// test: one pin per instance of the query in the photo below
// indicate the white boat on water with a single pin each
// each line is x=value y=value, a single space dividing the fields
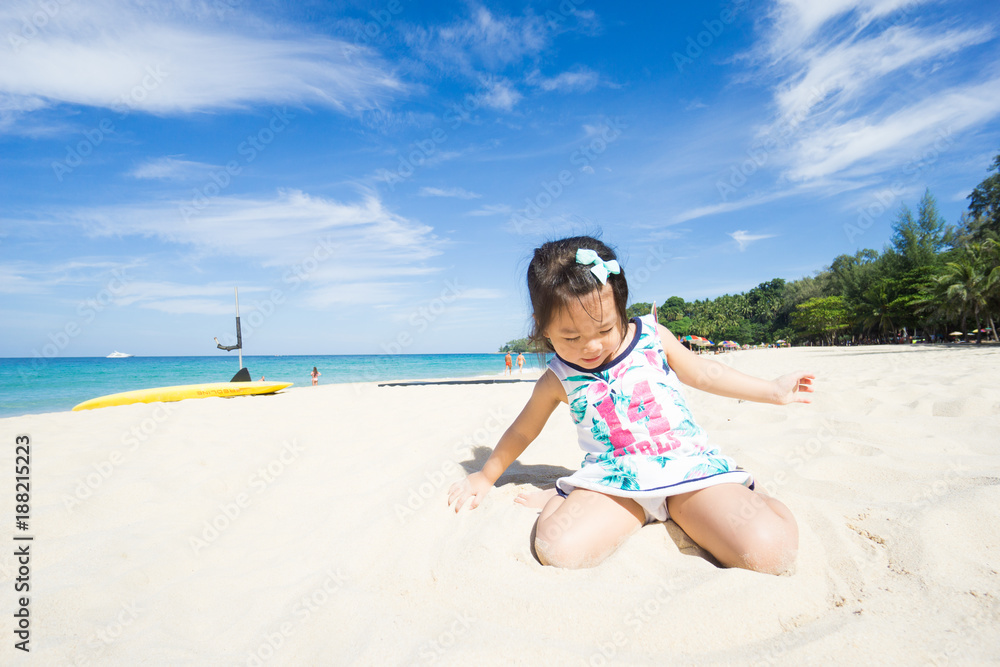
x=118 y=355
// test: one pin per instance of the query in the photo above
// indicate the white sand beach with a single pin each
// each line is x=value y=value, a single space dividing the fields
x=311 y=528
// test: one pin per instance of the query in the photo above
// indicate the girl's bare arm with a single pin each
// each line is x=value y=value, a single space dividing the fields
x=547 y=394
x=709 y=375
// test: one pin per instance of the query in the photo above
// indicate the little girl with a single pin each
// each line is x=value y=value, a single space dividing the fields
x=646 y=458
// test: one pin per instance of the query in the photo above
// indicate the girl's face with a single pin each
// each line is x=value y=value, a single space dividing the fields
x=587 y=332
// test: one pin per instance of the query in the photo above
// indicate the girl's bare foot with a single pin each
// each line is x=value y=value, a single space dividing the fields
x=535 y=499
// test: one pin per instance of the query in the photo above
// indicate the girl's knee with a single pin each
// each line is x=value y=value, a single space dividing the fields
x=769 y=546
x=561 y=543
x=773 y=561
x=554 y=542
x=566 y=552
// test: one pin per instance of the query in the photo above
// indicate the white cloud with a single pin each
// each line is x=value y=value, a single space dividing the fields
x=870 y=143
x=354 y=293
x=483 y=39
x=160 y=59
x=458 y=193
x=497 y=93
x=729 y=207
x=491 y=209
x=744 y=238
x=311 y=240
x=170 y=168
x=191 y=306
x=13 y=280
x=579 y=79
x=796 y=22
x=148 y=292
x=837 y=69
x=31 y=277
x=848 y=70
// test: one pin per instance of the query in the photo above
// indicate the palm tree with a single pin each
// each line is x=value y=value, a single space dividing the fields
x=991 y=264
x=968 y=282
x=876 y=309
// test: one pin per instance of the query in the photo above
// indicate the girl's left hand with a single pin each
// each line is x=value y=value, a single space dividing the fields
x=792 y=388
x=473 y=488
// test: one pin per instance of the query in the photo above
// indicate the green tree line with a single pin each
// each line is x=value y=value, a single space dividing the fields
x=930 y=280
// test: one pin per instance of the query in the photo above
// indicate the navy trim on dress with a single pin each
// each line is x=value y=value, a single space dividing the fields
x=611 y=364
x=662 y=488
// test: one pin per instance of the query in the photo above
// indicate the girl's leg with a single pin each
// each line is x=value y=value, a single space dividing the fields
x=740 y=527
x=584 y=528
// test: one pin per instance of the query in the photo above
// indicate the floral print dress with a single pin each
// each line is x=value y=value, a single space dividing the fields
x=640 y=438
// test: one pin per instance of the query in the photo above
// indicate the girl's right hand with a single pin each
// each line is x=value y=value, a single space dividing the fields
x=474 y=488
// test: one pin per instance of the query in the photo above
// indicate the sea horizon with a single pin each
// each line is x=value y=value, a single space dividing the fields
x=37 y=385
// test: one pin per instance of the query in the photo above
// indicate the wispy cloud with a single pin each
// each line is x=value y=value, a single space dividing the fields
x=744 y=238
x=180 y=298
x=169 y=168
x=277 y=230
x=730 y=206
x=311 y=240
x=579 y=79
x=458 y=193
x=35 y=277
x=796 y=22
x=13 y=280
x=870 y=143
x=848 y=70
x=156 y=59
x=491 y=209
x=481 y=41
x=497 y=93
x=834 y=63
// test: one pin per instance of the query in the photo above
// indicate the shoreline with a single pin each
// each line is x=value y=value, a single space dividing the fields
x=534 y=373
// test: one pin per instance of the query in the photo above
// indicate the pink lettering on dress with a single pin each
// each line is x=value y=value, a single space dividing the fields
x=620 y=437
x=645 y=408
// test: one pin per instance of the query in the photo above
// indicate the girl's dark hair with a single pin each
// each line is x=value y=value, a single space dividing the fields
x=555 y=279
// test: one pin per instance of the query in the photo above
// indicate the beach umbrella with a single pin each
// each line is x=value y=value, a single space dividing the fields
x=780 y=340
x=956 y=333
x=697 y=340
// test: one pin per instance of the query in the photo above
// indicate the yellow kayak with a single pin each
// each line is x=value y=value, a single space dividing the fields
x=184 y=391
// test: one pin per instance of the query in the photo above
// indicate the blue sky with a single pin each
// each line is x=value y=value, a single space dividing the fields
x=374 y=175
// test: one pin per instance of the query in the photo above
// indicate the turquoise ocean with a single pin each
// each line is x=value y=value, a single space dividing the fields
x=39 y=385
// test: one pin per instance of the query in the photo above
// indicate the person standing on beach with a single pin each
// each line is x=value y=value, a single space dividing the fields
x=506 y=361
x=520 y=363
x=315 y=376
x=646 y=459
